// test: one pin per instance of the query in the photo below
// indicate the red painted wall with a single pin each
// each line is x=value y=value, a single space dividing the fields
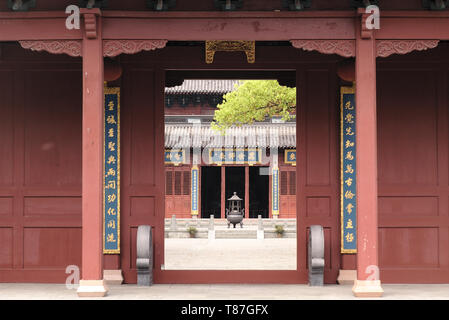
x=413 y=129
x=40 y=167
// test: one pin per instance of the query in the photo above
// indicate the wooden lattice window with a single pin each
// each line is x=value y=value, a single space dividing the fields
x=186 y=183
x=292 y=182
x=177 y=182
x=168 y=183
x=284 y=183
x=288 y=183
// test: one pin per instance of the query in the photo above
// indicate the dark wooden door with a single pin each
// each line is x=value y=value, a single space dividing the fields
x=142 y=159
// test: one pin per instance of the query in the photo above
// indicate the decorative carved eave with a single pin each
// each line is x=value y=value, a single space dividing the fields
x=386 y=48
x=70 y=47
x=112 y=48
x=344 y=48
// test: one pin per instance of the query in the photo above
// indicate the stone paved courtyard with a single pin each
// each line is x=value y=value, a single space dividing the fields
x=230 y=254
x=31 y=291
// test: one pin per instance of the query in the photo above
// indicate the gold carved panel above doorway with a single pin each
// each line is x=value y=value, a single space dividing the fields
x=249 y=47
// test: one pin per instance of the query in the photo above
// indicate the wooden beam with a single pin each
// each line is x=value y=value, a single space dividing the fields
x=200 y=26
x=36 y=26
x=240 y=28
x=413 y=28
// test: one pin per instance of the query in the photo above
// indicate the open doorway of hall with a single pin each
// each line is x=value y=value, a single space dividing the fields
x=250 y=183
x=214 y=177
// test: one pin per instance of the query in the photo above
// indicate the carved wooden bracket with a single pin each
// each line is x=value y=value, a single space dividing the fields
x=249 y=47
x=386 y=48
x=70 y=47
x=90 y=25
x=112 y=48
x=365 y=33
x=90 y=22
x=344 y=48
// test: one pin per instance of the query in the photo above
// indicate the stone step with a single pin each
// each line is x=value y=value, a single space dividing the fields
x=236 y=233
x=223 y=222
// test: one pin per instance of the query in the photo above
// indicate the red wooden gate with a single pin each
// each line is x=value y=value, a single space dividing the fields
x=40 y=167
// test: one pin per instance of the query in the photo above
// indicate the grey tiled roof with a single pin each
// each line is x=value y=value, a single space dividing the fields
x=203 y=87
x=264 y=135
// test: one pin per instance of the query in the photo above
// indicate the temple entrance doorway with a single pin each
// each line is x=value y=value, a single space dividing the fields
x=242 y=159
x=235 y=182
x=258 y=192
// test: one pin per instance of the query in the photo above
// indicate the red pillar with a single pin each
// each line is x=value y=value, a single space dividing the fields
x=92 y=283
x=246 y=192
x=223 y=192
x=368 y=282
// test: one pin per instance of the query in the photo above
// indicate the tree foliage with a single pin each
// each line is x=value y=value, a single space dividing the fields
x=254 y=100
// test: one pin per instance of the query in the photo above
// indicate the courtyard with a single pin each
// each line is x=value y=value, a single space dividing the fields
x=230 y=254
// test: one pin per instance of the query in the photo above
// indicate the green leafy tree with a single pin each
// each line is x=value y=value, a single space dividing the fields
x=254 y=100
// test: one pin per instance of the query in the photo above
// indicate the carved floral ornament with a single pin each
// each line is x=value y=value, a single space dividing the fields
x=111 y=48
x=346 y=48
x=70 y=47
x=386 y=48
x=249 y=47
